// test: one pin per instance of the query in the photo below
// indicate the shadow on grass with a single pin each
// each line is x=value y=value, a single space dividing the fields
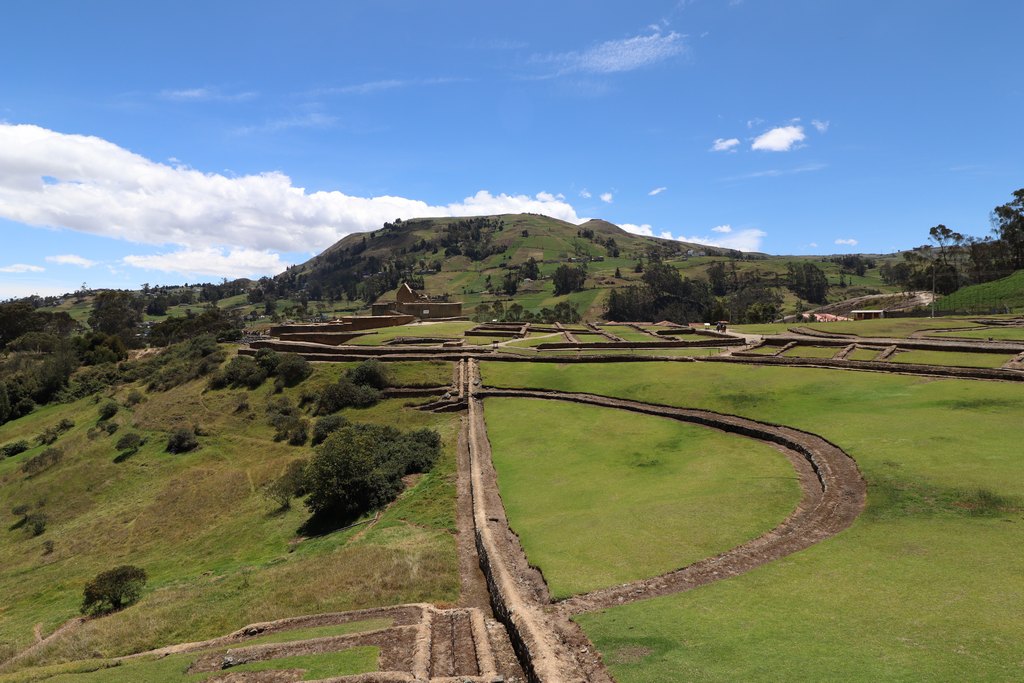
x=891 y=497
x=323 y=523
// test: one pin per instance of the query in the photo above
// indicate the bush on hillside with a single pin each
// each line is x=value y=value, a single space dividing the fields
x=241 y=371
x=108 y=410
x=129 y=442
x=360 y=468
x=41 y=462
x=370 y=373
x=14 y=448
x=113 y=590
x=291 y=484
x=292 y=369
x=345 y=394
x=325 y=426
x=182 y=440
x=51 y=434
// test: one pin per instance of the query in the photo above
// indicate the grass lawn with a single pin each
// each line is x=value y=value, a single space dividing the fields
x=924 y=586
x=628 y=333
x=450 y=329
x=813 y=351
x=863 y=354
x=218 y=555
x=765 y=350
x=173 y=668
x=997 y=333
x=889 y=327
x=649 y=494
x=963 y=360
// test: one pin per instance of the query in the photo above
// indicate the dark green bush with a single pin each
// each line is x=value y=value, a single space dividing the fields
x=128 y=442
x=291 y=484
x=241 y=371
x=108 y=410
x=360 y=467
x=182 y=440
x=14 y=448
x=292 y=369
x=325 y=426
x=35 y=523
x=345 y=394
x=268 y=360
x=370 y=372
x=113 y=590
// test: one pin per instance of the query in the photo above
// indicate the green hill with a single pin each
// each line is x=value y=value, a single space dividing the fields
x=1004 y=295
x=219 y=553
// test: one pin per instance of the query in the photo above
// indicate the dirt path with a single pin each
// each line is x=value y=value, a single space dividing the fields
x=833 y=494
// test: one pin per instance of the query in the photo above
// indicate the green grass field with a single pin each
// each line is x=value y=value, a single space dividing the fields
x=813 y=351
x=648 y=494
x=628 y=333
x=998 y=294
x=174 y=668
x=889 y=327
x=450 y=329
x=996 y=333
x=218 y=554
x=963 y=360
x=924 y=586
x=863 y=354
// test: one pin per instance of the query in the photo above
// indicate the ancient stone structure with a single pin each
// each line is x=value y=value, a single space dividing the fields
x=410 y=302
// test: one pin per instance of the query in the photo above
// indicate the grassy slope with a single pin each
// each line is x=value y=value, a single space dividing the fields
x=1006 y=292
x=963 y=360
x=924 y=586
x=889 y=327
x=648 y=494
x=218 y=556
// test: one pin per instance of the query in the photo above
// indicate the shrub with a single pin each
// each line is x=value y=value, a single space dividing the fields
x=41 y=462
x=370 y=372
x=108 y=410
x=291 y=484
x=325 y=426
x=14 y=448
x=345 y=394
x=129 y=442
x=51 y=434
x=134 y=397
x=360 y=468
x=292 y=369
x=181 y=440
x=35 y=523
x=110 y=428
x=113 y=590
x=241 y=371
x=268 y=360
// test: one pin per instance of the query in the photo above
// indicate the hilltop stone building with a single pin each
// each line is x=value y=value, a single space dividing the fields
x=410 y=302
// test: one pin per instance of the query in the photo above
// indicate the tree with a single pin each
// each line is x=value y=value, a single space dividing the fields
x=809 y=282
x=530 y=270
x=182 y=440
x=115 y=312
x=113 y=590
x=5 y=404
x=1008 y=222
x=569 y=279
x=510 y=283
x=292 y=369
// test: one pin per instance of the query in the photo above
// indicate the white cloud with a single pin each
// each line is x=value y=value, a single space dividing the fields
x=615 y=56
x=585 y=193
x=656 y=191
x=311 y=120
x=820 y=126
x=71 y=260
x=775 y=172
x=813 y=244
x=646 y=230
x=19 y=290
x=607 y=197
x=725 y=145
x=94 y=186
x=386 y=84
x=848 y=242
x=21 y=268
x=743 y=240
x=235 y=263
x=204 y=95
x=781 y=139
x=754 y=122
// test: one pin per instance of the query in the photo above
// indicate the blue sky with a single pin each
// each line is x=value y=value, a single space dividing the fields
x=171 y=142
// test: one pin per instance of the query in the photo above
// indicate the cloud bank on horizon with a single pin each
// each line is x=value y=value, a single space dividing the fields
x=217 y=225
